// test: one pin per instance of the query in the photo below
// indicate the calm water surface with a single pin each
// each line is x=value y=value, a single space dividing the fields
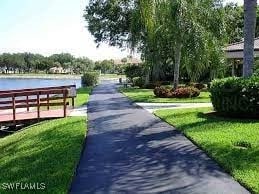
x=11 y=83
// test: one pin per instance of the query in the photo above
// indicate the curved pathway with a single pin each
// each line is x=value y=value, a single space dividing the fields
x=129 y=150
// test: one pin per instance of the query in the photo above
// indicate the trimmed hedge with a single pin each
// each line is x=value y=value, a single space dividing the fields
x=90 y=79
x=132 y=71
x=183 y=92
x=236 y=96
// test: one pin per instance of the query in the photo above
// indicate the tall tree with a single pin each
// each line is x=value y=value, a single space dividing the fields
x=196 y=44
x=249 y=35
x=109 y=20
x=179 y=34
x=234 y=20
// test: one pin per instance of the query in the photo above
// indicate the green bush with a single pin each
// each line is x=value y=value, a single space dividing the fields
x=90 y=79
x=138 y=81
x=132 y=71
x=236 y=96
x=256 y=72
x=182 y=92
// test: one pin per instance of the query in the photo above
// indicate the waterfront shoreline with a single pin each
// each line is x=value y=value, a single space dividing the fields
x=50 y=76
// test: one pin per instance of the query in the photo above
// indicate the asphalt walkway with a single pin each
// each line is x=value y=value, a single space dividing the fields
x=129 y=150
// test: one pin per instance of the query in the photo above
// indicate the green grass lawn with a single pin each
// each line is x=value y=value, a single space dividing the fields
x=147 y=95
x=80 y=100
x=221 y=138
x=112 y=76
x=47 y=152
x=82 y=96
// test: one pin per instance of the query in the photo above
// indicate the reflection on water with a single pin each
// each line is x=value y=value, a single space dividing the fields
x=10 y=83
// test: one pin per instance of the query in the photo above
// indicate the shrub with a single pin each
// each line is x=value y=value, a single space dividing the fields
x=256 y=72
x=184 y=92
x=162 y=92
x=236 y=96
x=132 y=71
x=90 y=79
x=199 y=86
x=138 y=81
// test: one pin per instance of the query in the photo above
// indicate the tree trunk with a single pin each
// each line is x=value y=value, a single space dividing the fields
x=156 y=72
x=147 y=77
x=249 y=35
x=178 y=49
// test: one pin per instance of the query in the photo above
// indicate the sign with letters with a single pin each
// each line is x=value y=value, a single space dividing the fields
x=72 y=92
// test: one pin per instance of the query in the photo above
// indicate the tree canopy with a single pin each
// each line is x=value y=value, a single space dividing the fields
x=179 y=38
x=172 y=36
x=29 y=62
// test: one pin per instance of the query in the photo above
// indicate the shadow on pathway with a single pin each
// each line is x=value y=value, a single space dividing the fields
x=128 y=150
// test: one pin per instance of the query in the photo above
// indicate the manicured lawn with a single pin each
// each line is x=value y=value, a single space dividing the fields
x=47 y=152
x=80 y=100
x=223 y=139
x=82 y=96
x=147 y=95
x=112 y=76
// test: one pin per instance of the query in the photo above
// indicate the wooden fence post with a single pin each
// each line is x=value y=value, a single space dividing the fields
x=48 y=101
x=27 y=103
x=73 y=102
x=14 y=111
x=65 y=102
x=38 y=106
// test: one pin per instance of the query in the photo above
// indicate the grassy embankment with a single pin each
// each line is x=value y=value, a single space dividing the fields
x=45 y=153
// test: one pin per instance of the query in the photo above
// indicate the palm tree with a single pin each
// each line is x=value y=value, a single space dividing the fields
x=173 y=32
x=249 y=35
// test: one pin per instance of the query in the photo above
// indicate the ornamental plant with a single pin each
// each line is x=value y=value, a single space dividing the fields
x=236 y=96
x=182 y=92
x=90 y=79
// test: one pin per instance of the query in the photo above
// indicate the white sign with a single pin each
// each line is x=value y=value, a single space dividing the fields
x=72 y=92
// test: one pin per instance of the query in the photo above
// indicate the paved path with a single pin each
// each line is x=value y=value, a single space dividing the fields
x=79 y=112
x=129 y=150
x=151 y=107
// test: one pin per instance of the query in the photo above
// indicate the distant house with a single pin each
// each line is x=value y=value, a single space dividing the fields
x=235 y=52
x=59 y=70
x=128 y=60
x=2 y=69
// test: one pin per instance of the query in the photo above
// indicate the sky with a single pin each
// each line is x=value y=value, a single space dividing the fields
x=239 y=2
x=51 y=26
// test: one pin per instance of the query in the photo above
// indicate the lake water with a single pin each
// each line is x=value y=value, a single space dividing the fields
x=13 y=83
